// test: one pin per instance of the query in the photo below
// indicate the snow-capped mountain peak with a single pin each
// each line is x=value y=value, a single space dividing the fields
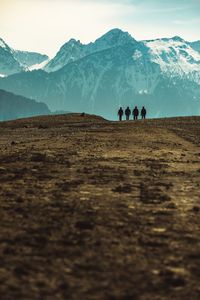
x=175 y=56
x=29 y=60
x=14 y=61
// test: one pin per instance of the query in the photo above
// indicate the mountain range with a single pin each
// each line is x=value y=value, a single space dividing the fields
x=116 y=70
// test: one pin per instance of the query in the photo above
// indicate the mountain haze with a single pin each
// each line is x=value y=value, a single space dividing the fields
x=14 y=107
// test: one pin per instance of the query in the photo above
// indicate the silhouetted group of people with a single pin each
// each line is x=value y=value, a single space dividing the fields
x=135 y=113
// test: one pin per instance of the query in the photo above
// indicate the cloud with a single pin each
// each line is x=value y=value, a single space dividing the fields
x=44 y=25
x=187 y=22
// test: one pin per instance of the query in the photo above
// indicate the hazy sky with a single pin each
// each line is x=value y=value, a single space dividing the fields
x=44 y=25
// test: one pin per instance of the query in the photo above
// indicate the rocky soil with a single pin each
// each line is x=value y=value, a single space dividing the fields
x=98 y=210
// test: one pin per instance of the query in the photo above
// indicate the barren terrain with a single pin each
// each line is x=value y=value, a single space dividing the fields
x=98 y=210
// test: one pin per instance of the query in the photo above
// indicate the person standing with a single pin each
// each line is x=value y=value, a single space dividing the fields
x=127 y=113
x=143 y=113
x=135 y=113
x=120 y=113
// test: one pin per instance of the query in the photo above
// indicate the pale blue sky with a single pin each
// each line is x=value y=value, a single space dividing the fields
x=44 y=25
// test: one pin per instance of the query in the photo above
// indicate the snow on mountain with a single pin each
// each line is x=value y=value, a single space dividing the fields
x=29 y=59
x=176 y=57
x=39 y=66
x=104 y=80
x=8 y=64
x=15 y=61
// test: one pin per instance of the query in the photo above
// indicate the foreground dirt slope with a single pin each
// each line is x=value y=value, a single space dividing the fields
x=97 y=210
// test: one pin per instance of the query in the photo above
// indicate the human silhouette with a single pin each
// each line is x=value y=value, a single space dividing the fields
x=127 y=113
x=143 y=113
x=120 y=113
x=135 y=113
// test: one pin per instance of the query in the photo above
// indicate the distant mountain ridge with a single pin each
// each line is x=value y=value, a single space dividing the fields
x=16 y=61
x=115 y=70
x=14 y=107
x=29 y=59
x=74 y=50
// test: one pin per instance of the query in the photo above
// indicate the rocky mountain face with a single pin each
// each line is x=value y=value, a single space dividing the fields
x=115 y=70
x=75 y=50
x=14 y=107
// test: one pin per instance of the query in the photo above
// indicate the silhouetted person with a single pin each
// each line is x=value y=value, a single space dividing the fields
x=143 y=113
x=127 y=113
x=135 y=113
x=120 y=113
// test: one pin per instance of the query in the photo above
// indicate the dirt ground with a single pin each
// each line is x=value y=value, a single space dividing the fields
x=98 y=210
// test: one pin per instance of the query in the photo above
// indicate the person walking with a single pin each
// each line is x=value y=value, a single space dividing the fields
x=127 y=113
x=120 y=113
x=135 y=113
x=143 y=113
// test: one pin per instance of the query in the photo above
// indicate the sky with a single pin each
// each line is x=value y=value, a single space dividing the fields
x=45 y=25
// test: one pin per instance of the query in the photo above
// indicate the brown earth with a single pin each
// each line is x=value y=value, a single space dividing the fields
x=98 y=210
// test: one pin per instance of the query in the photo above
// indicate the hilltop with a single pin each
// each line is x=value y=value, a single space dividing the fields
x=93 y=209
